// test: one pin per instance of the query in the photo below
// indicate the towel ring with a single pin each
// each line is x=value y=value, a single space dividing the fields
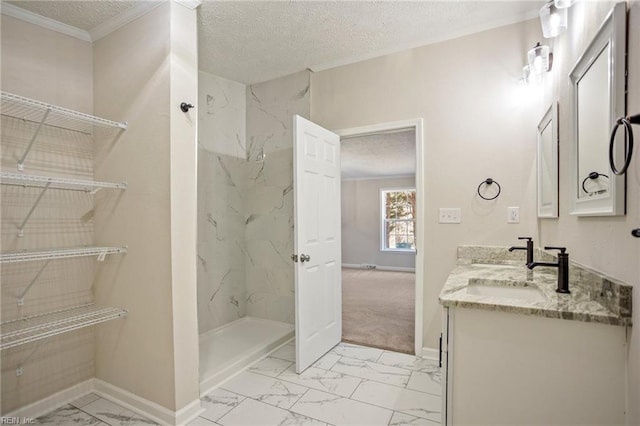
x=488 y=182
x=593 y=176
x=626 y=122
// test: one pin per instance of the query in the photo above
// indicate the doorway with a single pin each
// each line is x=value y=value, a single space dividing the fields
x=382 y=211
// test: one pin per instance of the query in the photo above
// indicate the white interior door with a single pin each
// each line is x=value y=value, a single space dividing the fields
x=318 y=277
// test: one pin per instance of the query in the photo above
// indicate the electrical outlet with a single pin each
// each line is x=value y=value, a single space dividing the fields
x=450 y=215
x=513 y=214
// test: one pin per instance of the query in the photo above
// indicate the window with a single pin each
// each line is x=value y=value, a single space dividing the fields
x=398 y=208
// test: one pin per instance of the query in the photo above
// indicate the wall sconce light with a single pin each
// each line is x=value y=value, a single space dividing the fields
x=540 y=59
x=553 y=19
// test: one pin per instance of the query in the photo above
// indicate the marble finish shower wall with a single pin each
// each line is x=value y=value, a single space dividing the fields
x=268 y=195
x=221 y=186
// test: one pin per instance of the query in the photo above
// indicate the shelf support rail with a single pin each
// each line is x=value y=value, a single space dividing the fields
x=26 y=219
x=33 y=139
x=33 y=281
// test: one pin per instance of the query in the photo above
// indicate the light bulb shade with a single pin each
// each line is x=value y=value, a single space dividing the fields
x=530 y=78
x=553 y=20
x=563 y=4
x=538 y=58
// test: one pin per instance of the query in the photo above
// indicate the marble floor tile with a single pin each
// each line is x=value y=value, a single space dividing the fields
x=114 y=414
x=266 y=389
x=287 y=352
x=359 y=352
x=201 y=421
x=337 y=411
x=219 y=402
x=255 y=413
x=68 y=415
x=407 y=401
x=84 y=400
x=410 y=362
x=270 y=366
x=327 y=361
x=426 y=382
x=401 y=419
x=373 y=371
x=327 y=381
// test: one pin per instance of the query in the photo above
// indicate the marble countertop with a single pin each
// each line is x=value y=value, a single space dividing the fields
x=600 y=303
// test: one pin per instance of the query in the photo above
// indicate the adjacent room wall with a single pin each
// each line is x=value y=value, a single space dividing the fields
x=361 y=227
x=602 y=243
x=222 y=292
x=141 y=72
x=45 y=65
x=269 y=197
x=468 y=92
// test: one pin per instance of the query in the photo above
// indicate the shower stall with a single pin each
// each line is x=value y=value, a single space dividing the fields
x=245 y=219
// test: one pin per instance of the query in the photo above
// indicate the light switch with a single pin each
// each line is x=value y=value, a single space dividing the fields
x=450 y=215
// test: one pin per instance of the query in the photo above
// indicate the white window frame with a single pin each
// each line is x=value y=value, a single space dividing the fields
x=382 y=218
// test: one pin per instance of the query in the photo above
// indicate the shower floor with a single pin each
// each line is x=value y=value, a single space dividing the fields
x=230 y=348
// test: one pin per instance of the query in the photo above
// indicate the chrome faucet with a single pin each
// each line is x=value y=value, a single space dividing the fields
x=563 y=268
x=528 y=248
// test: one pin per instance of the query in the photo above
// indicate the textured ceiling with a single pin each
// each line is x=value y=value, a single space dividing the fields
x=379 y=155
x=253 y=41
x=85 y=15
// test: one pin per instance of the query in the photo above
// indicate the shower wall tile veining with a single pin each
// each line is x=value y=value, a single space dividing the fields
x=269 y=197
x=245 y=199
x=221 y=219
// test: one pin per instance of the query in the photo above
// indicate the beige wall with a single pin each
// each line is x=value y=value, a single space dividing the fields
x=142 y=72
x=58 y=69
x=184 y=199
x=361 y=223
x=601 y=243
x=475 y=121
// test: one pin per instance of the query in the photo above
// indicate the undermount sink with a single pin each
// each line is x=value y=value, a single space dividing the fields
x=504 y=289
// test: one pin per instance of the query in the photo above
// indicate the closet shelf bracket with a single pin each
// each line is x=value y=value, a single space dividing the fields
x=33 y=281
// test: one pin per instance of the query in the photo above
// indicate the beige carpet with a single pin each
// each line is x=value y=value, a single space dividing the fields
x=378 y=308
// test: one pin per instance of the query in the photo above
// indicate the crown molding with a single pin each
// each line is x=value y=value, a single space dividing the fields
x=94 y=34
x=119 y=21
x=41 y=21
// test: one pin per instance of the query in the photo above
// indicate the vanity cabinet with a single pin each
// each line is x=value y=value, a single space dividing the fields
x=514 y=369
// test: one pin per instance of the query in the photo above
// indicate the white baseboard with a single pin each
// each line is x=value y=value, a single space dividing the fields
x=51 y=402
x=380 y=268
x=143 y=406
x=430 y=353
x=126 y=399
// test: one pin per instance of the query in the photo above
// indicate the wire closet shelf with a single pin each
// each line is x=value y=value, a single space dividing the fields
x=32 y=328
x=52 y=115
x=28 y=256
x=57 y=183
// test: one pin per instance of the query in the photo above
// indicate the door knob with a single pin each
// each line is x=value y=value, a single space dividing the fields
x=305 y=258
x=294 y=257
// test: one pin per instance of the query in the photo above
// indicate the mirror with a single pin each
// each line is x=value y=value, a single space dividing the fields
x=547 y=162
x=598 y=85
